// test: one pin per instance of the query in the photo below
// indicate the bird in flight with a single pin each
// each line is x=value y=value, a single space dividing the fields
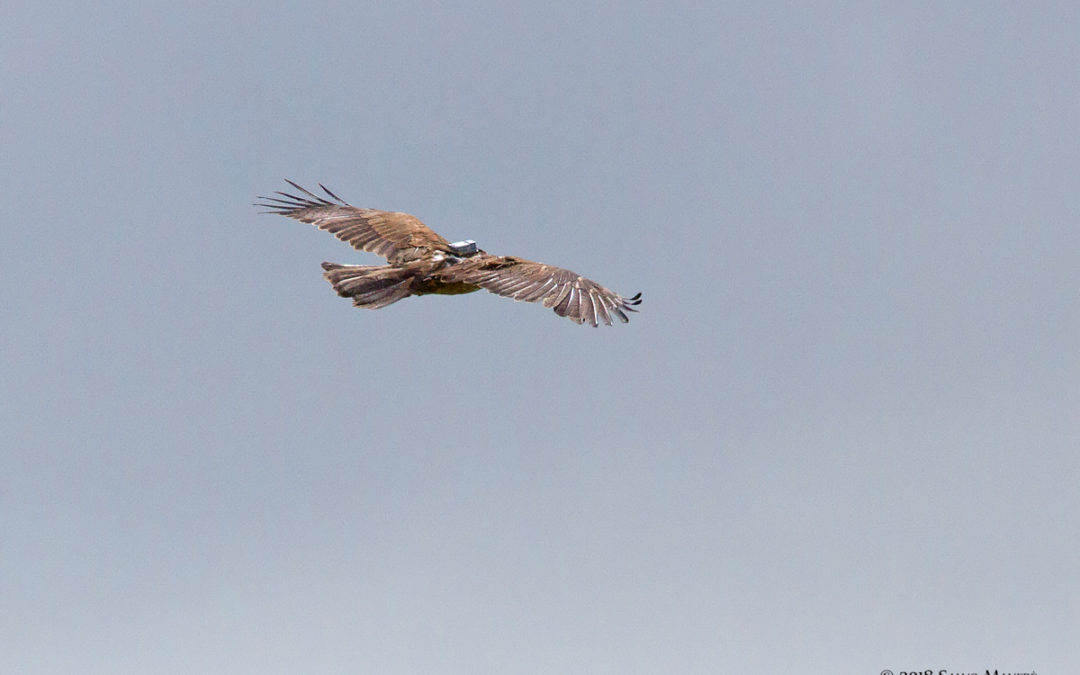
x=422 y=262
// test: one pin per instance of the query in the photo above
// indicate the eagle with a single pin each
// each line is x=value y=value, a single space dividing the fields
x=421 y=262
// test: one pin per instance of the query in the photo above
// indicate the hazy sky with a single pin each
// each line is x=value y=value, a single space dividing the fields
x=840 y=437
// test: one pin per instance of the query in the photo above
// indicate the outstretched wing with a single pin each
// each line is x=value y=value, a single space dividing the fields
x=571 y=295
x=398 y=237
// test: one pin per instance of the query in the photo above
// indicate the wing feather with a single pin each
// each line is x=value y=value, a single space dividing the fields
x=602 y=311
x=396 y=236
x=569 y=294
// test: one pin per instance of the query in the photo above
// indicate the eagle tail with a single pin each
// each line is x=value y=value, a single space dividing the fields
x=369 y=287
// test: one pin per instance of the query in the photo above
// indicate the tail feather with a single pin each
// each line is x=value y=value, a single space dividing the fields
x=369 y=287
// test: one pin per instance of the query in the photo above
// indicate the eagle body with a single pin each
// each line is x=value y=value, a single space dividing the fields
x=421 y=262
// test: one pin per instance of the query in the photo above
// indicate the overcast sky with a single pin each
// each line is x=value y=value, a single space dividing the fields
x=840 y=437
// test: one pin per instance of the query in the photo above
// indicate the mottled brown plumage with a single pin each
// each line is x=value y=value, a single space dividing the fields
x=423 y=263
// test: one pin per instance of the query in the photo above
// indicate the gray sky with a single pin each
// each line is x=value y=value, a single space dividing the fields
x=841 y=435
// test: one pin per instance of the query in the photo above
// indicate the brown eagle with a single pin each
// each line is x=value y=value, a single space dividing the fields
x=422 y=262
